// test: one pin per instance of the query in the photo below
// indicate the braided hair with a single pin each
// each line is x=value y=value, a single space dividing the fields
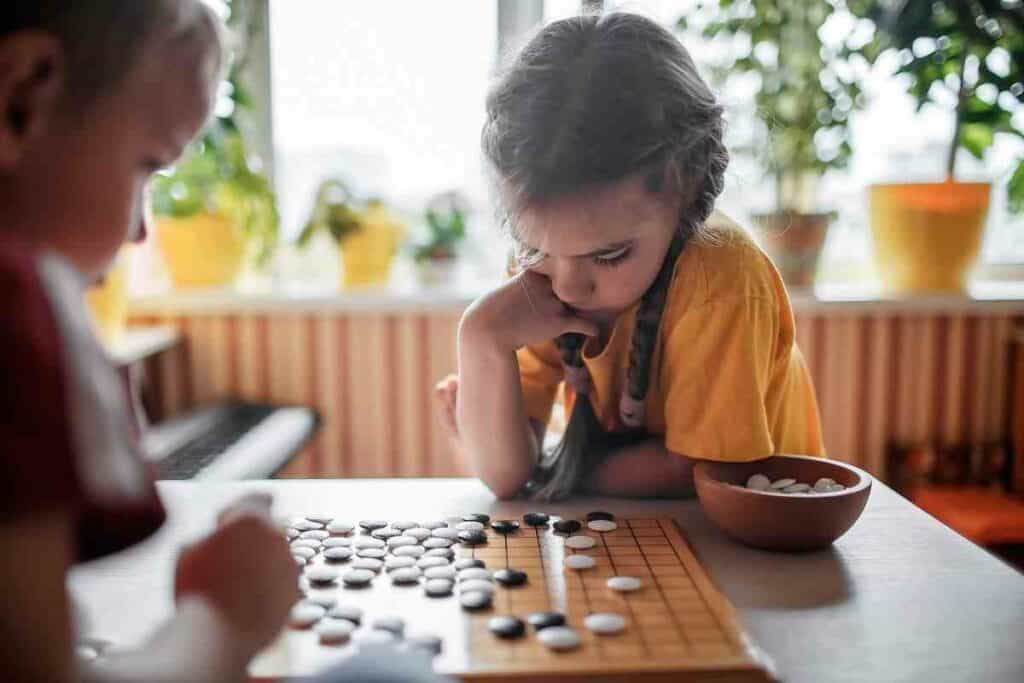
x=589 y=101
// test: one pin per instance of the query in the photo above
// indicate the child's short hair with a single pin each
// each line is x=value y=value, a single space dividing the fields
x=104 y=39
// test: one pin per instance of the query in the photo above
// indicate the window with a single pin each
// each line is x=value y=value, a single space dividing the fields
x=386 y=94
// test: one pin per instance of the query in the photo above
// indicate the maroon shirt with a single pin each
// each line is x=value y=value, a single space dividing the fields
x=66 y=440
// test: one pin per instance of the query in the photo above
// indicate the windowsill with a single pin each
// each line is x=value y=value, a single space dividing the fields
x=390 y=299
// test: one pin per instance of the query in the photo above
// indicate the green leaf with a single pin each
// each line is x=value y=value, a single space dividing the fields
x=976 y=138
x=1015 y=190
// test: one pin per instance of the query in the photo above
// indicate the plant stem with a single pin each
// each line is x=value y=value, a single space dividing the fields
x=961 y=100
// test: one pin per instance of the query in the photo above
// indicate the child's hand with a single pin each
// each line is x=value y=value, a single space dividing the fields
x=245 y=571
x=524 y=311
x=445 y=394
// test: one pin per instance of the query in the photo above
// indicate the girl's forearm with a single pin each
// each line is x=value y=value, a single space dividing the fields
x=493 y=427
x=197 y=645
x=643 y=469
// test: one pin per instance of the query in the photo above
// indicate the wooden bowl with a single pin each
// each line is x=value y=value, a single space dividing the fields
x=780 y=521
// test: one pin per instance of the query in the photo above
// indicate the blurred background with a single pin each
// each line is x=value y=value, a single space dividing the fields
x=319 y=243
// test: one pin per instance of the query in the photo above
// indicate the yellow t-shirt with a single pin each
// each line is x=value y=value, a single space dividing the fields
x=727 y=380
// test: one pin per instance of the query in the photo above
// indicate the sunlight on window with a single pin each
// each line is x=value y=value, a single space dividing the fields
x=388 y=95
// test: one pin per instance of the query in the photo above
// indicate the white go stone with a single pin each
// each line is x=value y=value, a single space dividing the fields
x=335 y=631
x=337 y=542
x=408 y=551
x=559 y=638
x=307 y=543
x=320 y=519
x=369 y=563
x=322 y=574
x=834 y=488
x=370 y=637
x=303 y=551
x=318 y=534
x=822 y=484
x=420 y=533
x=796 y=488
x=579 y=562
x=406 y=575
x=484 y=585
x=758 y=482
x=580 y=542
x=340 y=527
x=303 y=524
x=445 y=572
x=469 y=526
x=625 y=584
x=399 y=563
x=300 y=560
x=474 y=573
x=445 y=532
x=428 y=562
x=780 y=484
x=435 y=524
x=305 y=614
x=368 y=542
x=605 y=623
x=602 y=525
x=399 y=541
x=291 y=533
x=404 y=525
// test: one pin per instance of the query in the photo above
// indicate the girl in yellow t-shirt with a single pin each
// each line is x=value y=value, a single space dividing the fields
x=669 y=329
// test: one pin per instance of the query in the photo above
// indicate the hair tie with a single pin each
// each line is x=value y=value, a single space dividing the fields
x=578 y=378
x=631 y=411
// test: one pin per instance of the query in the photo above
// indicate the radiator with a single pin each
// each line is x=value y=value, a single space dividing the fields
x=881 y=378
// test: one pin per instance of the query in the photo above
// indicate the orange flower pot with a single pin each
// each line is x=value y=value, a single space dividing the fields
x=927 y=235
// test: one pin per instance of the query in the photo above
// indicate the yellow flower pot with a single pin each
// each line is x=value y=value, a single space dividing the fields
x=207 y=249
x=927 y=235
x=367 y=253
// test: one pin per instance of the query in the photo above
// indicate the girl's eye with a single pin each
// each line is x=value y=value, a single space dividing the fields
x=614 y=257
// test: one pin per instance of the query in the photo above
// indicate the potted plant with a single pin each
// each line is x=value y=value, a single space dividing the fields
x=805 y=95
x=437 y=255
x=367 y=233
x=215 y=210
x=927 y=235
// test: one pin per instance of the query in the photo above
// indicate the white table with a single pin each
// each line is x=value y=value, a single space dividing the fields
x=899 y=598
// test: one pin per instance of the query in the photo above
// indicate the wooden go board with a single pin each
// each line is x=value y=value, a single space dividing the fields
x=678 y=626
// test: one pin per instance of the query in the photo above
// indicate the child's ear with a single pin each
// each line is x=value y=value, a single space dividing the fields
x=31 y=81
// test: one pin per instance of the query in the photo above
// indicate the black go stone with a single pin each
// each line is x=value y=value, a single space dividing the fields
x=567 y=526
x=599 y=514
x=510 y=577
x=371 y=525
x=507 y=627
x=543 y=620
x=431 y=644
x=473 y=537
x=469 y=563
x=505 y=526
x=536 y=518
x=446 y=553
x=475 y=600
x=477 y=517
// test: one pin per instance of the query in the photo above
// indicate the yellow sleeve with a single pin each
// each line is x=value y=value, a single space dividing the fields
x=540 y=373
x=716 y=367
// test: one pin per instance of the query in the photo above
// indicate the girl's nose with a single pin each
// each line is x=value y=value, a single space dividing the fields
x=572 y=284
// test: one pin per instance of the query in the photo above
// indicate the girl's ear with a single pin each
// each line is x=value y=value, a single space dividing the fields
x=31 y=80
